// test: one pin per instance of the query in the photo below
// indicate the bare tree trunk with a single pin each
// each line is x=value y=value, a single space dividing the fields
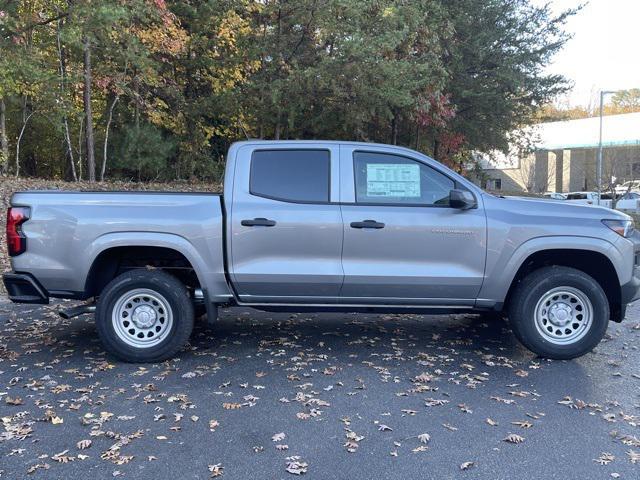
x=394 y=130
x=276 y=135
x=80 y=137
x=67 y=139
x=136 y=117
x=25 y=120
x=106 y=137
x=4 y=140
x=65 y=122
x=91 y=159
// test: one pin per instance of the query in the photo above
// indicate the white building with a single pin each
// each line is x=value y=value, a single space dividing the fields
x=565 y=156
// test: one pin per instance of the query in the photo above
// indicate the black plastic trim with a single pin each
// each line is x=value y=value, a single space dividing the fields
x=629 y=292
x=23 y=288
x=226 y=247
x=302 y=308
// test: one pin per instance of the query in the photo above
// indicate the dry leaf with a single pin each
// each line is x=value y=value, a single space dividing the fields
x=513 y=438
x=216 y=470
x=62 y=457
x=634 y=457
x=352 y=441
x=605 y=458
x=34 y=468
x=83 y=444
x=523 y=424
x=296 y=466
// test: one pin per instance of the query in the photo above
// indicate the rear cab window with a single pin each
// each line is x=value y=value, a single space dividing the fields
x=301 y=176
x=382 y=178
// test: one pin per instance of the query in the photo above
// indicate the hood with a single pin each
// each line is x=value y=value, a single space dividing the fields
x=550 y=207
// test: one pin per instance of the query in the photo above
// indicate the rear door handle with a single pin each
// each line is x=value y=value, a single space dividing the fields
x=258 y=222
x=367 y=224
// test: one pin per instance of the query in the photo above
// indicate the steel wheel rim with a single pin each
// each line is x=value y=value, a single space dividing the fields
x=142 y=318
x=563 y=315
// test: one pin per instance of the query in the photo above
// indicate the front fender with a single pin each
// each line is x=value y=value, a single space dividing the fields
x=500 y=275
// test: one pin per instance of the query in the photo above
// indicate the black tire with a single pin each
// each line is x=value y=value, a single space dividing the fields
x=532 y=289
x=179 y=309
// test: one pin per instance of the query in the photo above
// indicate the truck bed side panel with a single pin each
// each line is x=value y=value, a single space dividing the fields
x=68 y=230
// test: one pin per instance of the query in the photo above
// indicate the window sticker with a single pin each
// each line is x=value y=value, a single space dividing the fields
x=393 y=180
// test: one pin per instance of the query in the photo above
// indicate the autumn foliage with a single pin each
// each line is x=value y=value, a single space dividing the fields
x=157 y=90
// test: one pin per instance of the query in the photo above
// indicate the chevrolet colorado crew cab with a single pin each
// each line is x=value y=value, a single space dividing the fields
x=315 y=225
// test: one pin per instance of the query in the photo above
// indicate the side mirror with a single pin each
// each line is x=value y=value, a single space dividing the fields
x=462 y=199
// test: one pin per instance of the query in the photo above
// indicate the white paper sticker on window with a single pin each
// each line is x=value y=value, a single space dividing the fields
x=393 y=180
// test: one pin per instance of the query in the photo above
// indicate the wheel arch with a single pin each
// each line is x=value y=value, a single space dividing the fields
x=167 y=251
x=593 y=262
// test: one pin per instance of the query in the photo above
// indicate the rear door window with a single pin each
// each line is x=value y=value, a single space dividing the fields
x=291 y=175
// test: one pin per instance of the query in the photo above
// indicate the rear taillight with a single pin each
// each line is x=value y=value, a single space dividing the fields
x=16 y=240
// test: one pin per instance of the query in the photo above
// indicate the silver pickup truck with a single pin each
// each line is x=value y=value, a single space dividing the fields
x=324 y=226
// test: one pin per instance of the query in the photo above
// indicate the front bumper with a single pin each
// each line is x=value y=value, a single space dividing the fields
x=23 y=288
x=631 y=289
x=629 y=292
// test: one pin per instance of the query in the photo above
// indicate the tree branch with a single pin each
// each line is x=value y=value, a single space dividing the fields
x=41 y=23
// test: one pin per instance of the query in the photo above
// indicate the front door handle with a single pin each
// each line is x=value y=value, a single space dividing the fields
x=258 y=222
x=367 y=224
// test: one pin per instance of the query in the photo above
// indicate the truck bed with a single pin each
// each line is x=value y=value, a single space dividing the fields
x=67 y=231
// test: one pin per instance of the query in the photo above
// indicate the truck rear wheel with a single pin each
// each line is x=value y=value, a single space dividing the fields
x=559 y=312
x=144 y=316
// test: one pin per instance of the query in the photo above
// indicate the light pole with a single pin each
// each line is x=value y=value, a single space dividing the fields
x=599 y=172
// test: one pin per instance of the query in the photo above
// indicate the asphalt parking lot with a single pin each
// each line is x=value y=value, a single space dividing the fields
x=265 y=395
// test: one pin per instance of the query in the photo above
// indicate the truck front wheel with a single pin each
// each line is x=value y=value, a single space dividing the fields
x=144 y=316
x=559 y=312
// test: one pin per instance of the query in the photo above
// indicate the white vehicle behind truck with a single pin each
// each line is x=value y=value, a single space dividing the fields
x=590 y=198
x=630 y=186
x=628 y=202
